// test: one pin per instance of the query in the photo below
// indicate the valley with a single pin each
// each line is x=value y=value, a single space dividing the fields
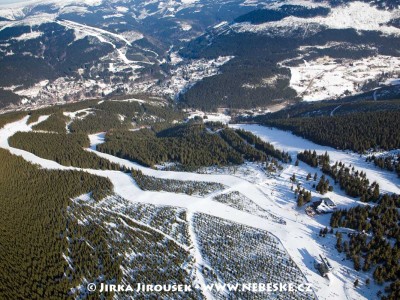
x=196 y=59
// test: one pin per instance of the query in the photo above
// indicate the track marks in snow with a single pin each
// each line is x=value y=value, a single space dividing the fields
x=101 y=34
x=334 y=110
x=200 y=263
x=107 y=37
x=98 y=206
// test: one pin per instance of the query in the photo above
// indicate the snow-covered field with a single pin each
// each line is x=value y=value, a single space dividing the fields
x=357 y=15
x=327 y=78
x=210 y=117
x=272 y=194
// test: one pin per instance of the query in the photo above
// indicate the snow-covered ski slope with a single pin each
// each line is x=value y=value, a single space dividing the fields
x=300 y=234
x=388 y=181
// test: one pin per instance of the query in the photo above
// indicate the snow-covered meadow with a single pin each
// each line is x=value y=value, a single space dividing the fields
x=328 y=78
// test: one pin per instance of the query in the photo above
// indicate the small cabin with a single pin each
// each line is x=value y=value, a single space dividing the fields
x=324 y=206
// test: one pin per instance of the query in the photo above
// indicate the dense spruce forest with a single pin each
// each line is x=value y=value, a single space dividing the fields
x=242 y=146
x=270 y=15
x=353 y=182
x=123 y=115
x=190 y=145
x=387 y=162
x=11 y=117
x=150 y=183
x=34 y=223
x=347 y=124
x=358 y=132
x=65 y=149
x=339 y=107
x=55 y=123
x=375 y=244
x=260 y=145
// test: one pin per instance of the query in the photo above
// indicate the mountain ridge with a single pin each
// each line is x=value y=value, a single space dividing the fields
x=161 y=49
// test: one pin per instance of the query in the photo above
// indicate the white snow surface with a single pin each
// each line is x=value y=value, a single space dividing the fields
x=326 y=78
x=357 y=15
x=19 y=10
x=388 y=181
x=29 y=36
x=210 y=117
x=60 y=3
x=272 y=193
x=34 y=90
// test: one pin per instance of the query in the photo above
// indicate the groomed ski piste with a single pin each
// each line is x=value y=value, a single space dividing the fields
x=300 y=233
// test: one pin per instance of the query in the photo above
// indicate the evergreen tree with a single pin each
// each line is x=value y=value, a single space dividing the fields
x=356 y=282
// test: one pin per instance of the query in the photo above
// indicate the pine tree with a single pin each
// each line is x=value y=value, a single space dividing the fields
x=293 y=178
x=356 y=282
x=300 y=201
x=376 y=193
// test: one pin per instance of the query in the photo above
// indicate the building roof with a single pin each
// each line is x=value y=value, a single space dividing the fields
x=326 y=205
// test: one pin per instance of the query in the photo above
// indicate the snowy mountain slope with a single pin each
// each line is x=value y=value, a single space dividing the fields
x=357 y=15
x=271 y=194
x=134 y=42
x=321 y=51
x=143 y=46
x=207 y=54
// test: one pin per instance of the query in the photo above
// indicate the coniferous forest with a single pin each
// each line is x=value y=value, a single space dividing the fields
x=161 y=143
x=352 y=181
x=358 y=132
x=48 y=223
x=387 y=162
x=11 y=117
x=348 y=124
x=34 y=204
x=55 y=123
x=375 y=244
x=189 y=145
x=65 y=149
